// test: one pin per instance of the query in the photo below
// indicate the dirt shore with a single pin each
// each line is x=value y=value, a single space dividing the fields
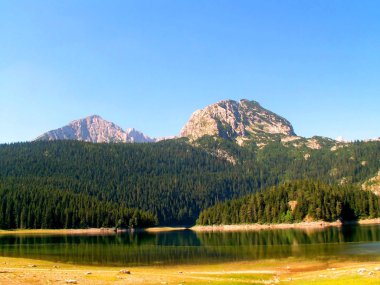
x=91 y=231
x=302 y=225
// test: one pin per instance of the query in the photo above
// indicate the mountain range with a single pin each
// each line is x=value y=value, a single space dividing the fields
x=239 y=121
x=243 y=122
x=227 y=150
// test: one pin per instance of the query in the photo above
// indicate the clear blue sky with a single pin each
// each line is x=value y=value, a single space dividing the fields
x=150 y=64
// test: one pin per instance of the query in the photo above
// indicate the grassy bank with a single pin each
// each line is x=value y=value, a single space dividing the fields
x=289 y=271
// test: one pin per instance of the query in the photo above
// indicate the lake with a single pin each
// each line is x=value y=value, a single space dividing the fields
x=361 y=243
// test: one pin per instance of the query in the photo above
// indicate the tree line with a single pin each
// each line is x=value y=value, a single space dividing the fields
x=28 y=206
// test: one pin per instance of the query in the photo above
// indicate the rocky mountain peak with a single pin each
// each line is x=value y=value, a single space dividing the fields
x=96 y=130
x=136 y=136
x=94 y=117
x=232 y=119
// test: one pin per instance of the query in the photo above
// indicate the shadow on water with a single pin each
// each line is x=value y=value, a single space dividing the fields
x=187 y=247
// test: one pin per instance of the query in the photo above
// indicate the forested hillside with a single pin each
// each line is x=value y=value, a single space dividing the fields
x=294 y=202
x=277 y=161
x=173 y=179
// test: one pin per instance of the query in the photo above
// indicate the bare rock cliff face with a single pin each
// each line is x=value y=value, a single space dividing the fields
x=96 y=130
x=373 y=184
x=231 y=119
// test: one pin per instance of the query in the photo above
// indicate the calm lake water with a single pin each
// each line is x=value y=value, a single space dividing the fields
x=353 y=243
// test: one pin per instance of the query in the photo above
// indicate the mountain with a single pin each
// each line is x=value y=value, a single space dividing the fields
x=136 y=136
x=174 y=180
x=241 y=120
x=96 y=130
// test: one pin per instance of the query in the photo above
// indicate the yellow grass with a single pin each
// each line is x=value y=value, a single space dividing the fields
x=288 y=271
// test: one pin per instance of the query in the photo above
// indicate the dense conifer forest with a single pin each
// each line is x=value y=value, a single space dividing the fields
x=171 y=180
x=293 y=202
x=31 y=206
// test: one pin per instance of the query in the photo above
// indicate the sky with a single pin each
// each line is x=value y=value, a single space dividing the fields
x=151 y=64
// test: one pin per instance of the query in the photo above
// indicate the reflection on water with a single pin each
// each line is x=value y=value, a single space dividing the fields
x=358 y=242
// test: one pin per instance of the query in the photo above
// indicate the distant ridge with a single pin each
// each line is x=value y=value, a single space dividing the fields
x=96 y=130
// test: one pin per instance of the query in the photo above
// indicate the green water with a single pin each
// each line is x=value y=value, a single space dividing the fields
x=187 y=247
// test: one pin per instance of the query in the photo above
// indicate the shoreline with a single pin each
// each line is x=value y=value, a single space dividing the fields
x=302 y=225
x=90 y=231
x=197 y=228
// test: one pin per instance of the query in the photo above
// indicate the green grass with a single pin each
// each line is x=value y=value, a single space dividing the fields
x=224 y=282
x=338 y=280
x=237 y=276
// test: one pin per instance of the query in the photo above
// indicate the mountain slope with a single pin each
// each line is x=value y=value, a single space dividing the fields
x=173 y=179
x=96 y=130
x=230 y=119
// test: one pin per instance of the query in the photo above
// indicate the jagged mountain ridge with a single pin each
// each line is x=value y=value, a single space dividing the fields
x=241 y=121
x=136 y=136
x=96 y=130
x=235 y=120
x=228 y=119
